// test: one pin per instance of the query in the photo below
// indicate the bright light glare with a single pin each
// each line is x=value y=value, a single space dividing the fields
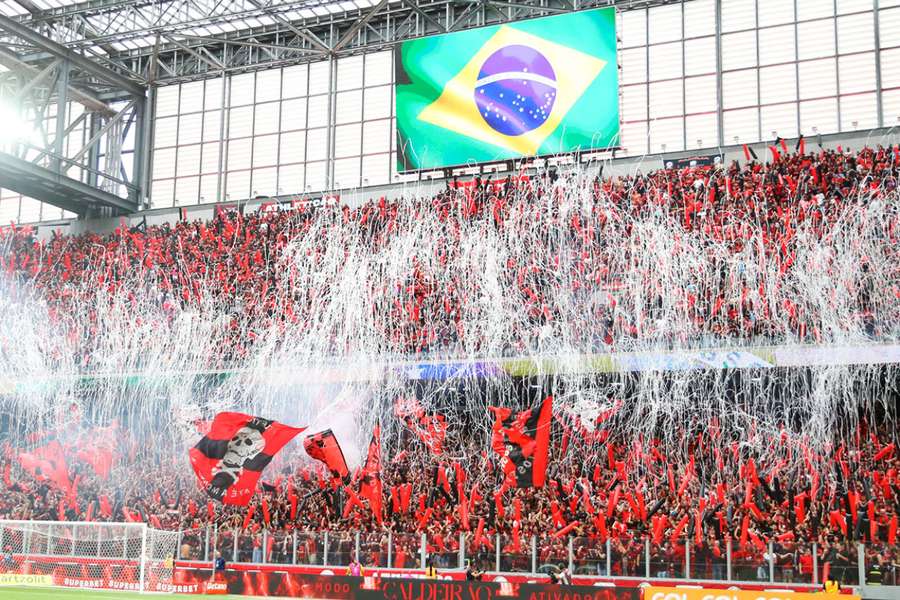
x=14 y=128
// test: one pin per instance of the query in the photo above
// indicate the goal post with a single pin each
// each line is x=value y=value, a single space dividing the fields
x=116 y=556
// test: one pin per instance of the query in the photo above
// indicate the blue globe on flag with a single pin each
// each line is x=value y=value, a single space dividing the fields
x=516 y=89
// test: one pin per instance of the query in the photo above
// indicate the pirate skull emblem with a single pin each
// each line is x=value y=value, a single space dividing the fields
x=245 y=444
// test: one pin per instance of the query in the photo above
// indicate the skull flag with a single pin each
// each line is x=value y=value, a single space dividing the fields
x=522 y=440
x=324 y=447
x=230 y=458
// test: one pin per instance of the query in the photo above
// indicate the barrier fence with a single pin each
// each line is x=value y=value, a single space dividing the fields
x=726 y=560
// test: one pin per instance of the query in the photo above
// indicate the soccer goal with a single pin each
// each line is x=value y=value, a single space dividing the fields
x=115 y=556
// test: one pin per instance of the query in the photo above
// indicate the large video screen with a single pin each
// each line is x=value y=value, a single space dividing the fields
x=537 y=87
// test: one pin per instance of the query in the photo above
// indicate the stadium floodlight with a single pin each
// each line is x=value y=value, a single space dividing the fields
x=89 y=555
x=15 y=128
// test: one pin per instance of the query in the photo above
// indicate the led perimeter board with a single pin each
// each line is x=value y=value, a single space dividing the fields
x=538 y=87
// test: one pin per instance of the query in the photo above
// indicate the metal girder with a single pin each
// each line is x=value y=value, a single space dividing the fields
x=89 y=101
x=348 y=35
x=77 y=60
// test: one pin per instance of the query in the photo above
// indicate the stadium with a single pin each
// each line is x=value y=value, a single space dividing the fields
x=450 y=299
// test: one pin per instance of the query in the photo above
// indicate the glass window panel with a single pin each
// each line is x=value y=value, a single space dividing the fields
x=814 y=9
x=348 y=107
x=268 y=85
x=886 y=3
x=666 y=99
x=738 y=14
x=187 y=190
x=665 y=61
x=189 y=160
x=821 y=114
x=318 y=111
x=315 y=176
x=633 y=138
x=667 y=135
x=237 y=185
x=781 y=118
x=775 y=12
x=210 y=158
x=29 y=210
x=856 y=33
x=817 y=79
x=741 y=124
x=346 y=173
x=162 y=192
x=857 y=73
x=890 y=68
x=861 y=109
x=634 y=102
x=9 y=210
x=167 y=100
x=777 y=84
x=293 y=114
x=242 y=87
x=634 y=65
x=699 y=18
x=264 y=182
x=738 y=50
x=189 y=128
x=209 y=186
x=265 y=150
x=665 y=23
x=376 y=169
x=376 y=136
x=213 y=97
x=239 y=154
x=890 y=104
x=266 y=118
x=349 y=73
x=702 y=128
x=889 y=28
x=816 y=39
x=240 y=122
x=318 y=77
x=378 y=102
x=293 y=81
x=700 y=94
x=212 y=125
x=848 y=6
x=293 y=147
x=739 y=89
x=700 y=56
x=165 y=132
x=347 y=140
x=634 y=28
x=192 y=97
x=316 y=144
x=379 y=68
x=776 y=45
x=290 y=179
x=164 y=163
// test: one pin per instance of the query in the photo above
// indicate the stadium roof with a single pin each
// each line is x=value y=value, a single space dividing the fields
x=173 y=40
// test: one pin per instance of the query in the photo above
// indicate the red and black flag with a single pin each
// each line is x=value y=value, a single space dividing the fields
x=230 y=458
x=522 y=440
x=47 y=463
x=431 y=429
x=371 y=476
x=324 y=447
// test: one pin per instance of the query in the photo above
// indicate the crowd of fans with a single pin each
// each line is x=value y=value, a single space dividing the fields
x=719 y=504
x=748 y=222
x=723 y=502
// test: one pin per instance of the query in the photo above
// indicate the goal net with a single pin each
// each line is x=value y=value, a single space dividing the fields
x=117 y=556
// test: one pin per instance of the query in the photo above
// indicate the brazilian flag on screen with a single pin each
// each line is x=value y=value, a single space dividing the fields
x=537 y=87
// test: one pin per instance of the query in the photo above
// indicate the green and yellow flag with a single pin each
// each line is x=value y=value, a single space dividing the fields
x=531 y=88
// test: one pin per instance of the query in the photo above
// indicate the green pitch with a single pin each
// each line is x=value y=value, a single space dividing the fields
x=23 y=593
